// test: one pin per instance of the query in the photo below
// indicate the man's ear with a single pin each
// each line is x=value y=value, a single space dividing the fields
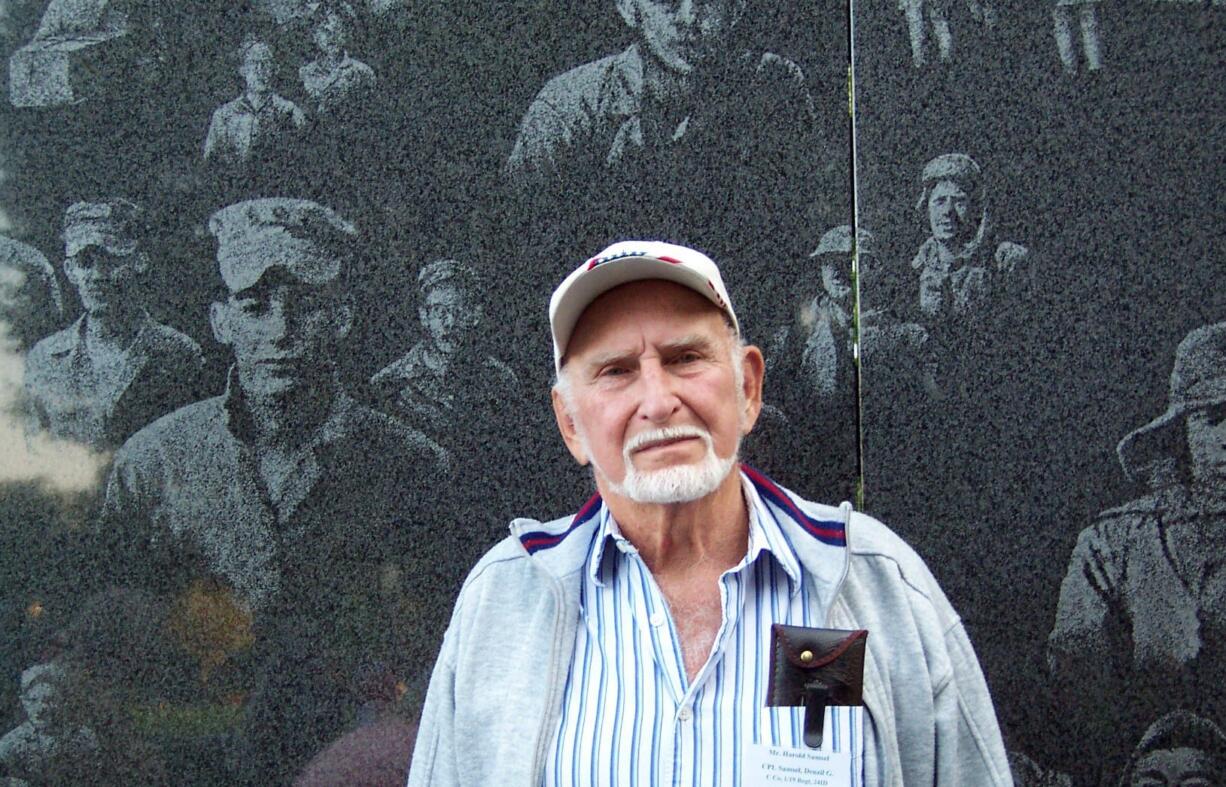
x=566 y=426
x=629 y=9
x=753 y=366
x=219 y=318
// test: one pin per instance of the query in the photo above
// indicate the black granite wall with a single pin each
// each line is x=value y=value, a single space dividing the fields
x=217 y=564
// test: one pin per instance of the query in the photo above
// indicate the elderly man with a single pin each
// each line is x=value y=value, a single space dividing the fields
x=283 y=502
x=629 y=641
x=116 y=368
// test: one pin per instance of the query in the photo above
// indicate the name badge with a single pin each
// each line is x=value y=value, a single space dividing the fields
x=837 y=763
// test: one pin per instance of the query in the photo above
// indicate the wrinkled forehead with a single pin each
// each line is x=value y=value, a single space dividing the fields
x=624 y=309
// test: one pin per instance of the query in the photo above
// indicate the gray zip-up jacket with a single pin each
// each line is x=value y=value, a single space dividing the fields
x=495 y=695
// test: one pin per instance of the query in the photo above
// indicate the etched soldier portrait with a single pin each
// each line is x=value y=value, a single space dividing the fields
x=336 y=81
x=258 y=122
x=812 y=363
x=689 y=132
x=448 y=377
x=31 y=304
x=452 y=387
x=284 y=499
x=116 y=368
x=44 y=744
x=1180 y=748
x=962 y=266
x=1141 y=621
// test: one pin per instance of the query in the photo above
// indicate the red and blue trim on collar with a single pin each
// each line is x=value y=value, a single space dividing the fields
x=537 y=540
x=828 y=531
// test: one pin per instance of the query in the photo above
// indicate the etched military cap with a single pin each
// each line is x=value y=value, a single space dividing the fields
x=1198 y=380
x=441 y=271
x=952 y=166
x=837 y=240
x=115 y=224
x=311 y=242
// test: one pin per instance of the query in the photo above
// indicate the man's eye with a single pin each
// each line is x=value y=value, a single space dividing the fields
x=688 y=357
x=612 y=371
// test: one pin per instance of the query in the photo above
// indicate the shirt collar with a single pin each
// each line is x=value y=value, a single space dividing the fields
x=765 y=535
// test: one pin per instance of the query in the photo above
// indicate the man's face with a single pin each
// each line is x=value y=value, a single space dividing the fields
x=257 y=68
x=651 y=356
x=949 y=208
x=102 y=279
x=1182 y=767
x=836 y=281
x=1206 y=431
x=448 y=316
x=682 y=34
x=330 y=34
x=282 y=331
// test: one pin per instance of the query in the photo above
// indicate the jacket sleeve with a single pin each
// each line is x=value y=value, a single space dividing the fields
x=969 y=748
x=433 y=763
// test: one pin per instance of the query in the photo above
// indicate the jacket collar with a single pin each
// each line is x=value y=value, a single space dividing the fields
x=815 y=534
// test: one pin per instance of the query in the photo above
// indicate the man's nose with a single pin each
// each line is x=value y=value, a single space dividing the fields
x=659 y=396
x=276 y=322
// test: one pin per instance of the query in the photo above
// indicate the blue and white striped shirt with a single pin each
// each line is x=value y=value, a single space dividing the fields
x=630 y=716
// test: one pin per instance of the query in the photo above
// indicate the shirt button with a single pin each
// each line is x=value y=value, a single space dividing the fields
x=684 y=714
x=657 y=618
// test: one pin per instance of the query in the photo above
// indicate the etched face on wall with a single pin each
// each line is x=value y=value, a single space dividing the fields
x=257 y=68
x=836 y=280
x=949 y=212
x=1181 y=767
x=283 y=331
x=449 y=315
x=103 y=278
x=330 y=34
x=681 y=34
x=1206 y=433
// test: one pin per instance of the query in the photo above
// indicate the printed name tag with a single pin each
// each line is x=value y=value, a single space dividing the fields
x=837 y=764
x=775 y=765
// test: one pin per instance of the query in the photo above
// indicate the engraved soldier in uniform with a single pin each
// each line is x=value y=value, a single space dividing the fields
x=447 y=377
x=1141 y=623
x=257 y=122
x=451 y=387
x=962 y=266
x=335 y=80
x=638 y=142
x=813 y=359
x=287 y=500
x=116 y=368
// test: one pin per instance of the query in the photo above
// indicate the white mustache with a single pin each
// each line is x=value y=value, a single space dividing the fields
x=667 y=433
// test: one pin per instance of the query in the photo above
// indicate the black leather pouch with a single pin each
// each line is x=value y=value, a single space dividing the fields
x=814 y=668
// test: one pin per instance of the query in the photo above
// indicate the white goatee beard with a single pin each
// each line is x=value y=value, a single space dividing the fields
x=679 y=484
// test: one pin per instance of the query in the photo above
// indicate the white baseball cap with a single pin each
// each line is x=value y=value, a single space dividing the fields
x=624 y=262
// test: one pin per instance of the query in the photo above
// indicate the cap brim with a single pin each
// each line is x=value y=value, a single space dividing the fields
x=1145 y=443
x=586 y=285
